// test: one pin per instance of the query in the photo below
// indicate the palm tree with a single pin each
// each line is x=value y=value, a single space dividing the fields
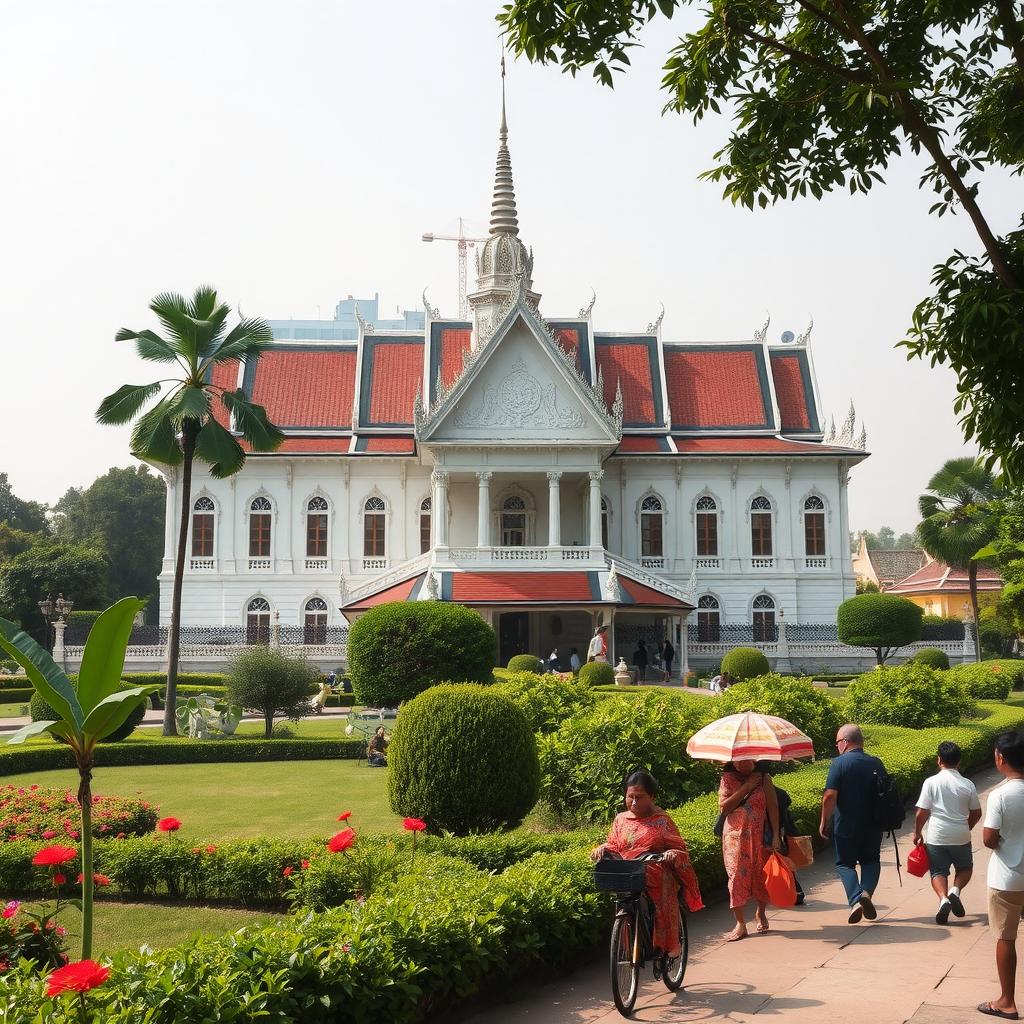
x=181 y=426
x=957 y=520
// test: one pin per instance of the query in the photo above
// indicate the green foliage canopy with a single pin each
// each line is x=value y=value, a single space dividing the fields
x=28 y=516
x=265 y=681
x=912 y=696
x=745 y=663
x=823 y=96
x=884 y=622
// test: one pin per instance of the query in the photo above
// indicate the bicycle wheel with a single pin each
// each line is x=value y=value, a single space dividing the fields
x=672 y=971
x=624 y=965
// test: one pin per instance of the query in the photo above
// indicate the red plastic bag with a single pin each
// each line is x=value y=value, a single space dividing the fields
x=780 y=882
x=917 y=861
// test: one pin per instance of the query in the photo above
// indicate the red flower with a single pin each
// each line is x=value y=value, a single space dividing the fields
x=345 y=816
x=54 y=855
x=995 y=668
x=342 y=841
x=305 y=864
x=97 y=879
x=59 y=879
x=168 y=824
x=211 y=849
x=78 y=977
x=413 y=824
x=287 y=871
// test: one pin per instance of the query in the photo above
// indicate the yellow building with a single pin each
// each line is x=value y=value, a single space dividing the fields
x=940 y=590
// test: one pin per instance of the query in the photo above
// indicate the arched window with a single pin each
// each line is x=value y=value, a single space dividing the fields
x=651 y=532
x=708 y=620
x=761 y=527
x=513 y=522
x=605 y=516
x=315 y=624
x=257 y=621
x=202 y=527
x=707 y=526
x=764 y=619
x=260 y=512
x=316 y=527
x=374 y=516
x=425 y=525
x=814 y=526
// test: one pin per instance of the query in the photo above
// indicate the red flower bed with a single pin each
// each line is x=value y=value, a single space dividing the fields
x=45 y=814
x=78 y=977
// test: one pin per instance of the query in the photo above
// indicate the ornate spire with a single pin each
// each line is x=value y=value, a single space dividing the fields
x=504 y=219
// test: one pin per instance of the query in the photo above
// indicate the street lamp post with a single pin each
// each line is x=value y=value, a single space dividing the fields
x=54 y=612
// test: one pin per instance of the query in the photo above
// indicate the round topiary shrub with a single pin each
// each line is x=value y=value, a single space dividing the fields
x=932 y=657
x=524 y=663
x=464 y=759
x=548 y=700
x=745 y=663
x=813 y=711
x=912 y=696
x=398 y=650
x=40 y=711
x=596 y=673
x=883 y=622
x=986 y=680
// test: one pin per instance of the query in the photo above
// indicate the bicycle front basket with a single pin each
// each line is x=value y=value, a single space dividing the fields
x=620 y=875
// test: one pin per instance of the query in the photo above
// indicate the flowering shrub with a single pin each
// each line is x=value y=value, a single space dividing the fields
x=985 y=681
x=44 y=814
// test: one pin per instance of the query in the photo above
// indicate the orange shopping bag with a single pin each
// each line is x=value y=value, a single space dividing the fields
x=780 y=881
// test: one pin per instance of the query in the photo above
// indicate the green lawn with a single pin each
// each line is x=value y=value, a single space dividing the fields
x=13 y=710
x=283 y=799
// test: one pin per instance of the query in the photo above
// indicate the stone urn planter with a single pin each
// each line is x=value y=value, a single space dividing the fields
x=622 y=676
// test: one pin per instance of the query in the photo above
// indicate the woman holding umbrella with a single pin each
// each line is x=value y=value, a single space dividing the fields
x=747 y=800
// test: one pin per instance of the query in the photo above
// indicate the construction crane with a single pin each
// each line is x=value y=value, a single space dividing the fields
x=465 y=242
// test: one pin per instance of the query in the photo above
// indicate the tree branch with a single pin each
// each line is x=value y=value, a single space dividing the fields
x=1011 y=32
x=929 y=138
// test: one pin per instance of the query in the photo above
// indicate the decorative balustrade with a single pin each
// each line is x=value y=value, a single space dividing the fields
x=815 y=563
x=400 y=572
x=373 y=564
x=538 y=555
x=317 y=564
x=652 y=562
x=707 y=563
x=260 y=564
x=762 y=563
x=202 y=564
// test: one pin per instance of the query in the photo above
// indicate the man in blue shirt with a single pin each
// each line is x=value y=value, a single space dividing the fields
x=850 y=791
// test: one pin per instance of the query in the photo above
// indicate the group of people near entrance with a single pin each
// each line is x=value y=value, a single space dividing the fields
x=947 y=810
x=661 y=656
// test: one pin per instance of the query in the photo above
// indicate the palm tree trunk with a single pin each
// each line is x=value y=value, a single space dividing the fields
x=972 y=576
x=190 y=430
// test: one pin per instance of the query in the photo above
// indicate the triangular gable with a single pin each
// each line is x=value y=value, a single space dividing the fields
x=520 y=387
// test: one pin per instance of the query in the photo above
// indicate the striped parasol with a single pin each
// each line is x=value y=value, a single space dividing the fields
x=750 y=737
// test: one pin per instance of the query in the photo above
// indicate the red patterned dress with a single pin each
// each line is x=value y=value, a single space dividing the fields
x=743 y=847
x=632 y=837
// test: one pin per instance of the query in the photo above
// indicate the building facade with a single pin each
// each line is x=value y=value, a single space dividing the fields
x=549 y=474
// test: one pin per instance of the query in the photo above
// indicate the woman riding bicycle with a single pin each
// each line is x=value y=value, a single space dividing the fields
x=645 y=828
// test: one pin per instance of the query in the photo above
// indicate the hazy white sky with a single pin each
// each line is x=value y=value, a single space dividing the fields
x=293 y=153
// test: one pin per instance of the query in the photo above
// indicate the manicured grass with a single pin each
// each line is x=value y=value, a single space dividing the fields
x=217 y=802
x=13 y=710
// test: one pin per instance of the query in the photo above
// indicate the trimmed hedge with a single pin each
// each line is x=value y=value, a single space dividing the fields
x=524 y=663
x=932 y=657
x=16 y=696
x=879 y=621
x=983 y=681
x=596 y=673
x=912 y=696
x=745 y=663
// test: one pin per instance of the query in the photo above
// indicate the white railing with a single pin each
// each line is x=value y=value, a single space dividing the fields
x=815 y=563
x=762 y=563
x=317 y=563
x=635 y=572
x=412 y=567
x=540 y=556
x=158 y=652
x=202 y=564
x=650 y=562
x=829 y=648
x=260 y=564
x=707 y=563
x=375 y=563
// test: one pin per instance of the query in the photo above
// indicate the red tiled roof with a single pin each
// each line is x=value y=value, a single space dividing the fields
x=505 y=587
x=397 y=373
x=743 y=445
x=399 y=592
x=647 y=595
x=307 y=445
x=306 y=388
x=789 y=390
x=631 y=444
x=569 y=339
x=714 y=388
x=399 y=445
x=628 y=365
x=454 y=341
x=223 y=376
x=937 y=576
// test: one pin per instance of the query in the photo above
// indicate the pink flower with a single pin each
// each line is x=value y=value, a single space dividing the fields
x=54 y=855
x=287 y=871
x=77 y=977
x=413 y=824
x=168 y=824
x=49 y=834
x=305 y=864
x=33 y=788
x=342 y=841
x=10 y=910
x=345 y=816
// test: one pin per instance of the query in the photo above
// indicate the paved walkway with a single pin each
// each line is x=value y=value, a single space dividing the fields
x=812 y=966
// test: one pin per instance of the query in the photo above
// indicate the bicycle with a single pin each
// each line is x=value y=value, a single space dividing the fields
x=632 y=942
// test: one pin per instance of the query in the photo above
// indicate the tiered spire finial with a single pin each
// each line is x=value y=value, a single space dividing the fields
x=504 y=219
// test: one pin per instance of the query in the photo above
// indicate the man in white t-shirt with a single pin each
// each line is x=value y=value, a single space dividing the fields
x=1004 y=836
x=948 y=808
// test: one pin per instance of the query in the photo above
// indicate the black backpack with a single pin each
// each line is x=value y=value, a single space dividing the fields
x=887 y=810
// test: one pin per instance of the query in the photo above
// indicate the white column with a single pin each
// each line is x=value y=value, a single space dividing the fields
x=173 y=500
x=555 y=511
x=595 y=507
x=284 y=558
x=846 y=562
x=483 y=509
x=439 y=508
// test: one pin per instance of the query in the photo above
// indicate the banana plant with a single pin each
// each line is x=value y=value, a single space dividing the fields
x=95 y=711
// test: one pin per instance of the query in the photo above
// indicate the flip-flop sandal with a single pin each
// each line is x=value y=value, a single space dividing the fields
x=993 y=1011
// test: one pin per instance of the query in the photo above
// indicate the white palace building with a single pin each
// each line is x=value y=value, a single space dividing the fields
x=549 y=475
